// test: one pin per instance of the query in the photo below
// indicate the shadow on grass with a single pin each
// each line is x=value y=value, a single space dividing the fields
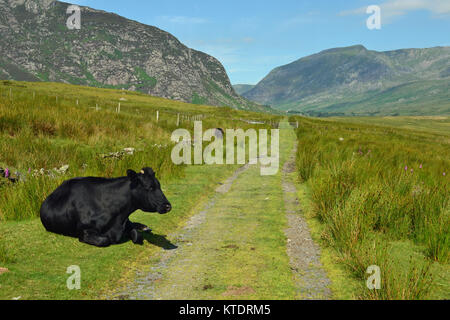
x=159 y=240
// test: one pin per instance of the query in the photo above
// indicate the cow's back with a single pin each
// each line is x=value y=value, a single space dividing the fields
x=77 y=204
x=57 y=210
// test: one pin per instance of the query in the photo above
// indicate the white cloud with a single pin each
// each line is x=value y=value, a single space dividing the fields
x=182 y=20
x=391 y=9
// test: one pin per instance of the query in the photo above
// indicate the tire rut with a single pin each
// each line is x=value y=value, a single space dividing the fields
x=311 y=279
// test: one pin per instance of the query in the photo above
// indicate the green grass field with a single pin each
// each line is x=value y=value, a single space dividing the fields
x=48 y=125
x=379 y=195
x=43 y=127
x=374 y=191
x=437 y=124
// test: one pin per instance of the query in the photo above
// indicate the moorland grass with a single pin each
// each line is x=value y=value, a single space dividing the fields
x=49 y=125
x=38 y=130
x=372 y=186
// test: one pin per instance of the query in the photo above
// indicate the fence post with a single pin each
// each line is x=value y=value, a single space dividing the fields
x=96 y=107
x=10 y=93
x=118 y=108
x=157 y=116
x=77 y=101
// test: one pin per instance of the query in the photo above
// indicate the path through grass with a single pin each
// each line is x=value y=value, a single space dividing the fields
x=235 y=248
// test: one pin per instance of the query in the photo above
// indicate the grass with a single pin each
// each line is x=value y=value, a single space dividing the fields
x=362 y=205
x=367 y=204
x=239 y=252
x=43 y=126
x=438 y=124
x=38 y=260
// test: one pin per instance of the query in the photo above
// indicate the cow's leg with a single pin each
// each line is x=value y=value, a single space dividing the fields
x=136 y=237
x=92 y=237
x=137 y=226
x=133 y=233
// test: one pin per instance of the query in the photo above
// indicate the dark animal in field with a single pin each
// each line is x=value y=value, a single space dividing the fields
x=97 y=210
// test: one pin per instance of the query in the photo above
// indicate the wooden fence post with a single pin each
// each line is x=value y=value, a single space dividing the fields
x=118 y=108
x=157 y=116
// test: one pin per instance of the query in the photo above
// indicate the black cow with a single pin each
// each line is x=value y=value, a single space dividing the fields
x=97 y=210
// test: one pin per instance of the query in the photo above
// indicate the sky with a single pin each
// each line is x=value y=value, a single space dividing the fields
x=252 y=37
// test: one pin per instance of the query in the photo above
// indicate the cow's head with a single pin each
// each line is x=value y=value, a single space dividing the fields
x=146 y=191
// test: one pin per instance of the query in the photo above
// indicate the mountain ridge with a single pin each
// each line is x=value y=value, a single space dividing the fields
x=242 y=88
x=109 y=51
x=340 y=76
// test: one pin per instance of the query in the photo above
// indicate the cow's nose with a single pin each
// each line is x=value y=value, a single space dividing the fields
x=168 y=207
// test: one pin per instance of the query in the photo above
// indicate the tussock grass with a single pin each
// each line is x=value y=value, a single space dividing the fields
x=38 y=132
x=6 y=256
x=371 y=186
x=42 y=126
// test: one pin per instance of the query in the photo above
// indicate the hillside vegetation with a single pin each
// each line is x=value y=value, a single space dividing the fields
x=381 y=196
x=108 y=51
x=357 y=81
x=42 y=127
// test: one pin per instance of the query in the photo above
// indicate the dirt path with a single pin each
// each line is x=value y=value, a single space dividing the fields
x=235 y=248
x=311 y=279
x=143 y=288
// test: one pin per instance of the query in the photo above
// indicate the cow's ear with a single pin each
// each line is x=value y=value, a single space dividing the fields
x=148 y=171
x=133 y=176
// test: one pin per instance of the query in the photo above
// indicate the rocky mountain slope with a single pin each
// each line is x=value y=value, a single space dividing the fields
x=108 y=51
x=357 y=81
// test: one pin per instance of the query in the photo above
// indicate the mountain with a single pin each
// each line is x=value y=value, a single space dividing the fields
x=108 y=51
x=357 y=81
x=242 y=88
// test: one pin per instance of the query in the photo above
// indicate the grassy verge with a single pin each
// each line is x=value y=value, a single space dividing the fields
x=379 y=196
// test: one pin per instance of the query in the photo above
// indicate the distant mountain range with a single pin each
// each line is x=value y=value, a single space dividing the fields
x=242 y=88
x=357 y=81
x=108 y=51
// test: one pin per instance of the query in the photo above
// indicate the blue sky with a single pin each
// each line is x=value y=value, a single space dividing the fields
x=252 y=37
